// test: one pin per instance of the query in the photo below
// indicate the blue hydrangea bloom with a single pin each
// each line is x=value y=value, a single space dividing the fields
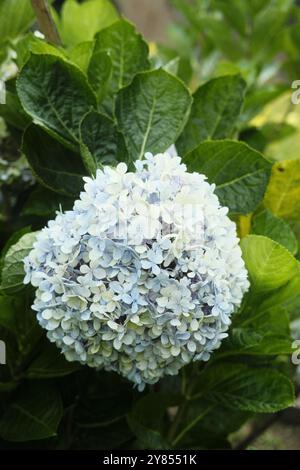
x=142 y=276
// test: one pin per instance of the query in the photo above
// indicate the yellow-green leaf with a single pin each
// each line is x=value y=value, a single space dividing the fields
x=80 y=21
x=269 y=264
x=283 y=193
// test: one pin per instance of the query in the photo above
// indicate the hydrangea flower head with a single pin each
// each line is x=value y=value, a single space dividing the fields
x=142 y=276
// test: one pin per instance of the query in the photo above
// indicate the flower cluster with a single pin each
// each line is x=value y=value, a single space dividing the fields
x=142 y=276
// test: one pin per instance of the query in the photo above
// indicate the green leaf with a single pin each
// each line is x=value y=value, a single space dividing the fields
x=214 y=112
x=102 y=143
x=254 y=138
x=275 y=228
x=151 y=112
x=283 y=193
x=269 y=133
x=80 y=21
x=56 y=167
x=104 y=399
x=7 y=317
x=221 y=422
x=172 y=66
x=12 y=240
x=44 y=203
x=35 y=414
x=269 y=264
x=8 y=386
x=257 y=99
x=32 y=44
x=240 y=173
x=191 y=415
x=56 y=95
x=146 y=420
x=127 y=51
x=213 y=28
x=236 y=15
x=258 y=332
x=80 y=55
x=19 y=329
x=12 y=111
x=271 y=19
x=206 y=425
x=116 y=435
x=287 y=296
x=166 y=56
x=274 y=131
x=16 y=16
x=50 y=363
x=99 y=73
x=13 y=273
x=241 y=387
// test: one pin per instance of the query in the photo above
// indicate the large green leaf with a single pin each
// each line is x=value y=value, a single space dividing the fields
x=275 y=228
x=13 y=273
x=56 y=95
x=205 y=425
x=152 y=111
x=214 y=112
x=35 y=414
x=105 y=398
x=31 y=44
x=50 y=363
x=269 y=264
x=43 y=202
x=99 y=74
x=127 y=51
x=283 y=193
x=246 y=388
x=146 y=420
x=81 y=54
x=20 y=331
x=240 y=173
x=287 y=296
x=80 y=21
x=12 y=111
x=12 y=240
x=56 y=167
x=16 y=16
x=258 y=332
x=116 y=435
x=7 y=317
x=102 y=143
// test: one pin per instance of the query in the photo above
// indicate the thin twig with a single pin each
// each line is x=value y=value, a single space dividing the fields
x=45 y=21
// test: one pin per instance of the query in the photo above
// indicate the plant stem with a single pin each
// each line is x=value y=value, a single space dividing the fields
x=45 y=21
x=176 y=422
x=186 y=389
